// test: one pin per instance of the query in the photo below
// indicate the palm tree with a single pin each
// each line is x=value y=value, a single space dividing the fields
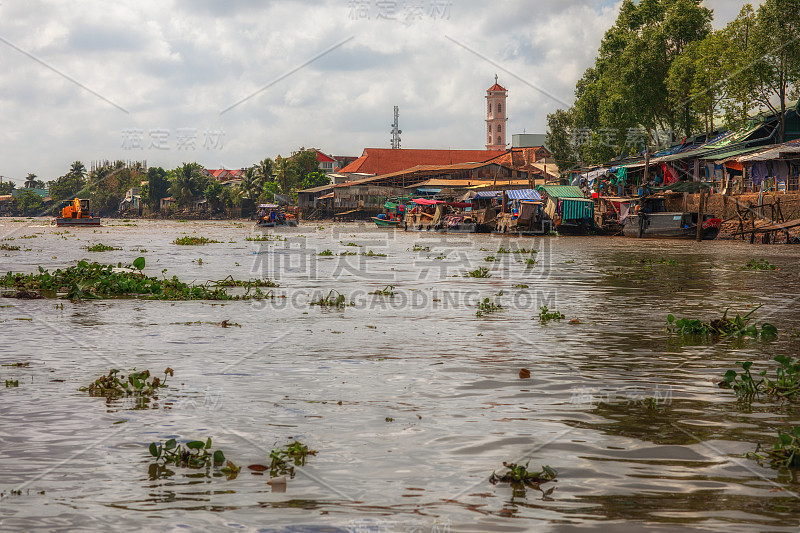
x=264 y=171
x=249 y=182
x=30 y=181
x=185 y=186
x=285 y=174
x=77 y=169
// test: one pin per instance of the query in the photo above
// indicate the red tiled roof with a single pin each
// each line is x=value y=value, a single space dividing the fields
x=322 y=158
x=496 y=87
x=386 y=160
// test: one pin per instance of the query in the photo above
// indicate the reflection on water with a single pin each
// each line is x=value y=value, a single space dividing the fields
x=411 y=400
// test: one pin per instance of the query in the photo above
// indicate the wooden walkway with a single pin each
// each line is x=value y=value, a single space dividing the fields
x=769 y=228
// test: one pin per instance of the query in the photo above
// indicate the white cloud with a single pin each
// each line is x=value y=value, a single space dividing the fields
x=177 y=64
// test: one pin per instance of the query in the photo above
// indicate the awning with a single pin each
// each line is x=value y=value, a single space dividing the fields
x=577 y=209
x=329 y=195
x=272 y=206
x=513 y=194
x=425 y=201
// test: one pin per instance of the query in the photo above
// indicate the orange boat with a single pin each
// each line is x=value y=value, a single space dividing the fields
x=76 y=213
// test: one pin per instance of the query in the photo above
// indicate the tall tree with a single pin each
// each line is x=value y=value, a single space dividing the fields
x=559 y=139
x=250 y=183
x=264 y=170
x=285 y=175
x=30 y=181
x=187 y=183
x=157 y=186
x=775 y=57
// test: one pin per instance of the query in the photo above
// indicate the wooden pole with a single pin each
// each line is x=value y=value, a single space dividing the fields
x=700 y=216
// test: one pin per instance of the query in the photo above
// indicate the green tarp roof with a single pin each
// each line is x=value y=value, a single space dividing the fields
x=562 y=191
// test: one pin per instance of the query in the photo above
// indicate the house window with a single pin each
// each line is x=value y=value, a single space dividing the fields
x=490 y=108
x=499 y=128
x=499 y=140
x=490 y=139
x=499 y=108
x=490 y=128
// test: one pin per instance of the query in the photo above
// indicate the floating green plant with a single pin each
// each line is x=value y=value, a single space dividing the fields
x=326 y=253
x=759 y=264
x=480 y=272
x=269 y=237
x=9 y=247
x=189 y=240
x=546 y=315
x=491 y=259
x=283 y=460
x=12 y=383
x=520 y=286
x=386 y=291
x=372 y=254
x=94 y=280
x=530 y=262
x=114 y=385
x=738 y=326
x=193 y=454
x=785 y=385
x=521 y=475
x=333 y=299
x=785 y=453
x=418 y=248
x=486 y=307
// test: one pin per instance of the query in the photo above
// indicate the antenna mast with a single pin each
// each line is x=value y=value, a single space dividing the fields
x=396 y=131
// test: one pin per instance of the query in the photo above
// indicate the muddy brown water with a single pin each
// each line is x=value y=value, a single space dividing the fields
x=412 y=401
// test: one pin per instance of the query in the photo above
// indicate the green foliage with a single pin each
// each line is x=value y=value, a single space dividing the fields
x=386 y=291
x=372 y=254
x=519 y=474
x=267 y=237
x=12 y=383
x=157 y=187
x=28 y=203
x=283 y=460
x=418 y=248
x=9 y=247
x=333 y=299
x=93 y=280
x=785 y=385
x=189 y=240
x=187 y=183
x=491 y=259
x=100 y=247
x=193 y=454
x=546 y=316
x=759 y=264
x=480 y=272
x=486 y=307
x=112 y=385
x=785 y=453
x=326 y=253
x=213 y=193
x=314 y=179
x=737 y=326
x=69 y=185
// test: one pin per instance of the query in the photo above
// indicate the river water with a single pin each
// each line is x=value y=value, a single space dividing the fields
x=411 y=400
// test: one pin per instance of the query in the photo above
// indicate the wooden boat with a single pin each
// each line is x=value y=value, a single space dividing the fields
x=385 y=222
x=76 y=213
x=439 y=215
x=650 y=219
x=273 y=215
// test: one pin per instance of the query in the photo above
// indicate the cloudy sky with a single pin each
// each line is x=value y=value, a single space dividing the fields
x=229 y=83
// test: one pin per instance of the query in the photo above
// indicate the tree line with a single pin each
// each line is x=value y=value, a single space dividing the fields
x=662 y=73
x=107 y=185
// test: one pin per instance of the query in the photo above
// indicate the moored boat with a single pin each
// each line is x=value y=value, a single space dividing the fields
x=649 y=218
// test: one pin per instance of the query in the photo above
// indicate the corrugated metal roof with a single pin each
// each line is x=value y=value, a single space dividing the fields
x=732 y=153
x=514 y=194
x=773 y=152
x=562 y=191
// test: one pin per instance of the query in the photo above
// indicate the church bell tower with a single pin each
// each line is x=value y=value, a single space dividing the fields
x=496 y=117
